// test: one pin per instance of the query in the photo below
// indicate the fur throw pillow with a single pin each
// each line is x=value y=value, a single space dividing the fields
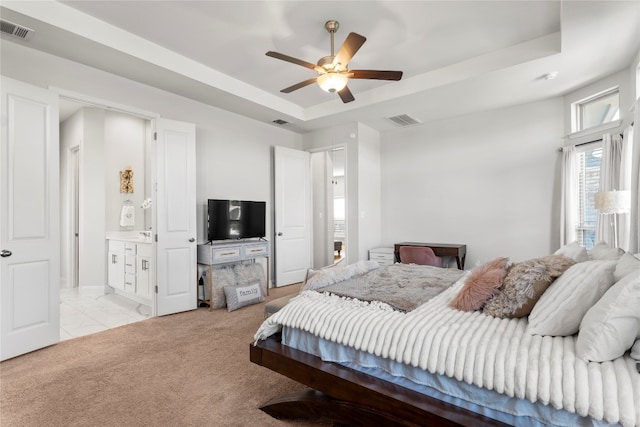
x=525 y=283
x=481 y=284
x=222 y=276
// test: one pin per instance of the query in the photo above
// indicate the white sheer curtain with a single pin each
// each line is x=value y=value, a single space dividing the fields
x=626 y=162
x=609 y=180
x=634 y=214
x=569 y=191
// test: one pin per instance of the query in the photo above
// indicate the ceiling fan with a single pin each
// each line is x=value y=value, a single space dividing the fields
x=333 y=74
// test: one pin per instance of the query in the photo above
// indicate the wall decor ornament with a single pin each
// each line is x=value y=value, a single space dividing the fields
x=126 y=180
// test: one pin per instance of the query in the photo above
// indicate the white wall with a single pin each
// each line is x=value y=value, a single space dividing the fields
x=487 y=180
x=92 y=203
x=320 y=188
x=234 y=157
x=369 y=198
x=125 y=143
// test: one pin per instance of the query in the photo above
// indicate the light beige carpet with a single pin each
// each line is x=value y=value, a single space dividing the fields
x=187 y=369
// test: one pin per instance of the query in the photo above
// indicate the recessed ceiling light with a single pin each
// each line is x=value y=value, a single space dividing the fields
x=550 y=76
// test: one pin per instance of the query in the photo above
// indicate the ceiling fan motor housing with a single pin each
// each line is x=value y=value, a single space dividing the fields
x=326 y=62
x=332 y=26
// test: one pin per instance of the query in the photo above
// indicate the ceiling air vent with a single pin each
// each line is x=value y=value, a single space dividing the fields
x=404 y=120
x=280 y=122
x=15 y=29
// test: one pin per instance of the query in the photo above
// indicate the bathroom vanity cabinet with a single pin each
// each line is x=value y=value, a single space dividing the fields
x=129 y=268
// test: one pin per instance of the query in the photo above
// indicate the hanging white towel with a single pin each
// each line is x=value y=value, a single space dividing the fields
x=128 y=216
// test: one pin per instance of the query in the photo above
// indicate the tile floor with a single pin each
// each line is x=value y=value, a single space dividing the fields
x=88 y=310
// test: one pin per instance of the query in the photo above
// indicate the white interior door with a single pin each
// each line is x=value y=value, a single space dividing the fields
x=75 y=220
x=30 y=226
x=175 y=216
x=292 y=215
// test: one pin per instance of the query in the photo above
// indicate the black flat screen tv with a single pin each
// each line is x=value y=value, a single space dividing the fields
x=235 y=219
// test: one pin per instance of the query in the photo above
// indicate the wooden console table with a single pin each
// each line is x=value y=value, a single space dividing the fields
x=459 y=252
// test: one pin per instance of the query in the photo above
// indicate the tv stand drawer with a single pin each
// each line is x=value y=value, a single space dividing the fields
x=227 y=252
x=255 y=250
x=209 y=254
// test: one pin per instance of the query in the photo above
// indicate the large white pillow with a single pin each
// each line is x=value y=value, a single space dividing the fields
x=560 y=309
x=603 y=251
x=611 y=326
x=627 y=264
x=574 y=251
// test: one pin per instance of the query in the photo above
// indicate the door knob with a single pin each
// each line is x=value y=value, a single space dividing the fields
x=5 y=253
x=280 y=233
x=192 y=240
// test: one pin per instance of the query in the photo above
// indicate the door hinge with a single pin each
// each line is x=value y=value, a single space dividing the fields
x=156 y=237
x=156 y=289
x=155 y=136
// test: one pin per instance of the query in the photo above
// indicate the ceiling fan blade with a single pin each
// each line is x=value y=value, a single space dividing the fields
x=375 y=74
x=349 y=48
x=346 y=95
x=294 y=60
x=299 y=85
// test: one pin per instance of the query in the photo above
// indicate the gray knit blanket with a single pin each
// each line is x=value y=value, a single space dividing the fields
x=403 y=286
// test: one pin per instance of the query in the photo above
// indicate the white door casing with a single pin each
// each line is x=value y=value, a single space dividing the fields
x=175 y=216
x=329 y=217
x=292 y=215
x=30 y=224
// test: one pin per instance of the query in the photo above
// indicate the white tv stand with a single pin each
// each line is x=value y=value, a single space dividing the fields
x=229 y=252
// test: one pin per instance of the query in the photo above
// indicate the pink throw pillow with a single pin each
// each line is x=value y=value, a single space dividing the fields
x=483 y=283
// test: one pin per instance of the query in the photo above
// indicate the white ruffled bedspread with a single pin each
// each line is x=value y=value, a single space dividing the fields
x=497 y=354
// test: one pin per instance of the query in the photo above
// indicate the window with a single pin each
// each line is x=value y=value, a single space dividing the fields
x=588 y=171
x=596 y=110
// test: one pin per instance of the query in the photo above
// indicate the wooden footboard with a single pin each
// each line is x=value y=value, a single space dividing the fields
x=350 y=397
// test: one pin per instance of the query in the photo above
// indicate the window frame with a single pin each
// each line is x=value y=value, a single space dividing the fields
x=577 y=109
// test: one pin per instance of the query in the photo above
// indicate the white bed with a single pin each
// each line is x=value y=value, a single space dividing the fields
x=488 y=365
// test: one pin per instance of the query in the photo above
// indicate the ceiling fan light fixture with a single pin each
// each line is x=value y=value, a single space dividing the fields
x=333 y=72
x=332 y=82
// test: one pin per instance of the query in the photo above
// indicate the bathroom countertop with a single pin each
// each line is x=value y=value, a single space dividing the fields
x=136 y=236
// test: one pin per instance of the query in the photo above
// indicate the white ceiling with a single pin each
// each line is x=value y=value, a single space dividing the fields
x=457 y=56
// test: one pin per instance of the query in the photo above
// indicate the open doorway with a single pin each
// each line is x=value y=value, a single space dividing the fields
x=90 y=208
x=328 y=171
x=339 y=203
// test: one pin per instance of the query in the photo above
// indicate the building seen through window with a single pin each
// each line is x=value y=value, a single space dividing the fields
x=588 y=169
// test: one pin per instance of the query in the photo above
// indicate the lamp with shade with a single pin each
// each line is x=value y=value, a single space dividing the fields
x=613 y=203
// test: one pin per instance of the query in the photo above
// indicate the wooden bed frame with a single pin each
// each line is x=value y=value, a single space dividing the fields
x=346 y=396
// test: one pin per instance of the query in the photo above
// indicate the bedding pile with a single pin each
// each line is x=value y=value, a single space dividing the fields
x=402 y=286
x=493 y=353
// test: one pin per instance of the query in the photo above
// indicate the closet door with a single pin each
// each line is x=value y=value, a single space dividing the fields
x=29 y=224
x=175 y=216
